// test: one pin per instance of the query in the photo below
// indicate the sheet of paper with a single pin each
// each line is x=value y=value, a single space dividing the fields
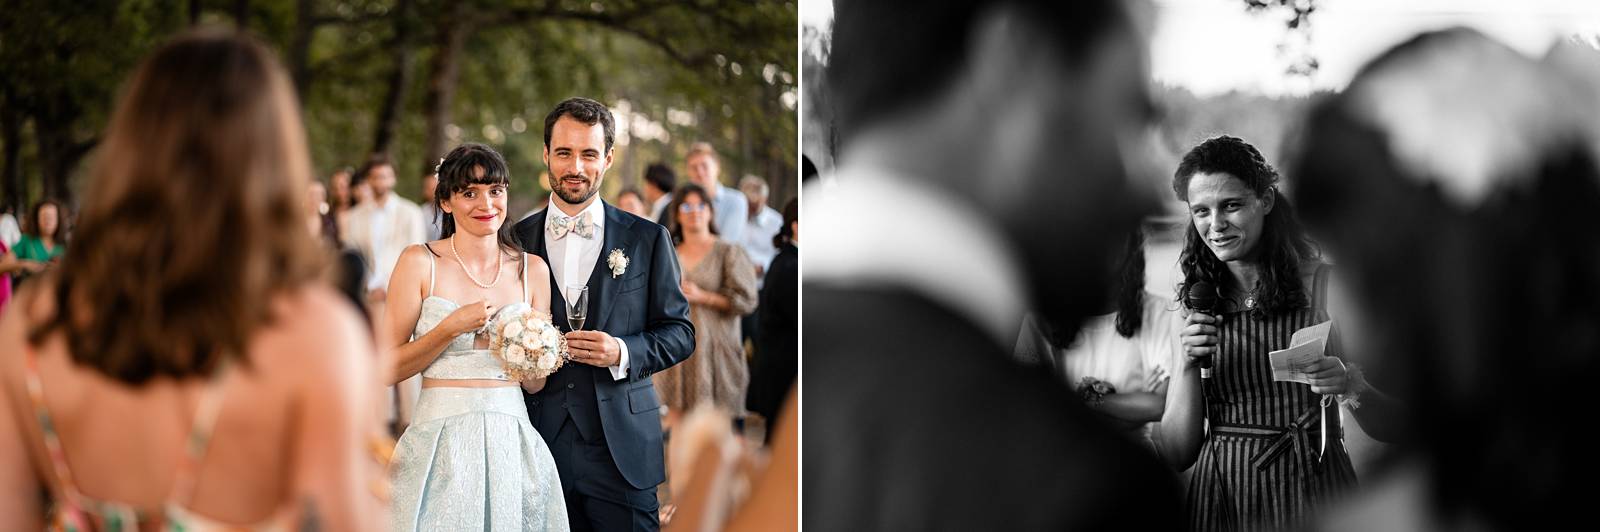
x=1306 y=347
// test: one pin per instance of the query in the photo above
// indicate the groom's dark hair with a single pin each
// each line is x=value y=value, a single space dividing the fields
x=583 y=110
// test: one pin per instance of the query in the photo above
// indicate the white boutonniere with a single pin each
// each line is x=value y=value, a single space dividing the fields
x=618 y=263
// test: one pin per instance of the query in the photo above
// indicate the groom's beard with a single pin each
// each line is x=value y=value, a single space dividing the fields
x=558 y=185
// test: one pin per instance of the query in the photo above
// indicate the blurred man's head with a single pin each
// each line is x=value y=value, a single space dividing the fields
x=1024 y=108
x=703 y=167
x=378 y=174
x=430 y=182
x=755 y=191
x=659 y=180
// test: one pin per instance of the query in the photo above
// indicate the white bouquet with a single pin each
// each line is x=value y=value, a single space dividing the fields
x=530 y=346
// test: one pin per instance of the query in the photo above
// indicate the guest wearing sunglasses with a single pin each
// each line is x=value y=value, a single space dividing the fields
x=720 y=283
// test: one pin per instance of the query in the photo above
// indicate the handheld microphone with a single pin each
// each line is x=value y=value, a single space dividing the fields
x=1202 y=297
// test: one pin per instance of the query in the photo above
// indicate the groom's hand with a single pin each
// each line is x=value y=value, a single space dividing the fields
x=595 y=348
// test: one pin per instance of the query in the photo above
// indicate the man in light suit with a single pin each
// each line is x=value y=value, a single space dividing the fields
x=600 y=413
x=379 y=230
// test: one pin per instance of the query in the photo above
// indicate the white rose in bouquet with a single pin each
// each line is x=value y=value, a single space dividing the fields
x=516 y=354
x=512 y=329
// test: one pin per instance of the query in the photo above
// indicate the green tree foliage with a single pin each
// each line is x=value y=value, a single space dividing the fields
x=722 y=71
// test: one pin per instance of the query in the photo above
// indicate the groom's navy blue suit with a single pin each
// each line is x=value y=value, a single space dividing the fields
x=605 y=433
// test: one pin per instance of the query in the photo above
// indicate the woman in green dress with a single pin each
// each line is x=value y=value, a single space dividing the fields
x=41 y=243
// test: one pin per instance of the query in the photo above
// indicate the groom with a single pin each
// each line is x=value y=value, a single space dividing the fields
x=600 y=413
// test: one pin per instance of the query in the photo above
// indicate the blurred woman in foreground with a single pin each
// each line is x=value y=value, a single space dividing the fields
x=185 y=368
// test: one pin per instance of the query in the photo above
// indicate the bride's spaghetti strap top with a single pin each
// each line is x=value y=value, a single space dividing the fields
x=460 y=360
x=71 y=510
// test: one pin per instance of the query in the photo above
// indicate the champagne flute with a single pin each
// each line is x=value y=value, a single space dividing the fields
x=577 y=306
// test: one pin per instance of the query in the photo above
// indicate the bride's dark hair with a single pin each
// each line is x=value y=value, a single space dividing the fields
x=474 y=164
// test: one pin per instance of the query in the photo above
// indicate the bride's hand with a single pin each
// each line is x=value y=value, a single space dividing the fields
x=534 y=385
x=469 y=318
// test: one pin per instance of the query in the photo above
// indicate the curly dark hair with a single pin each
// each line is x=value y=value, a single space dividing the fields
x=1283 y=247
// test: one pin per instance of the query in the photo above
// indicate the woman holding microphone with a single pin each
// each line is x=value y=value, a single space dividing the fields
x=1272 y=452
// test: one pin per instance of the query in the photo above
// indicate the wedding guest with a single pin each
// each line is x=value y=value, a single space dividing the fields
x=9 y=264
x=383 y=226
x=191 y=386
x=380 y=229
x=720 y=285
x=10 y=230
x=659 y=182
x=776 y=362
x=432 y=217
x=1264 y=453
x=762 y=225
x=632 y=202
x=318 y=220
x=919 y=416
x=1117 y=361
x=726 y=484
x=1474 y=278
x=41 y=243
x=705 y=170
x=341 y=197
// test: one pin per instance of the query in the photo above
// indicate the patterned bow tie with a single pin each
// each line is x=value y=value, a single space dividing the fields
x=559 y=226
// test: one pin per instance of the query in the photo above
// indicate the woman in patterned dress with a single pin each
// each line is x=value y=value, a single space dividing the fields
x=720 y=283
x=1273 y=452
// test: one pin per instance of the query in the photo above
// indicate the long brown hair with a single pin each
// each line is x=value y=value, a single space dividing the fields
x=194 y=215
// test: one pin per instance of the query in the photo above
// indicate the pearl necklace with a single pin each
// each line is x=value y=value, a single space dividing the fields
x=499 y=264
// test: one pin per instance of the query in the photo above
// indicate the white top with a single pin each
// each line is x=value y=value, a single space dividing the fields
x=382 y=231
x=758 y=235
x=659 y=206
x=955 y=256
x=432 y=221
x=1136 y=364
x=573 y=259
x=10 y=232
x=731 y=211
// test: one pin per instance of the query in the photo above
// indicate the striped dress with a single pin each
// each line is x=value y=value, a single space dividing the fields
x=1259 y=468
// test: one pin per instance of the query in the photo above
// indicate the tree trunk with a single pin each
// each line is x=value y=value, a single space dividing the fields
x=194 y=12
x=300 y=49
x=59 y=152
x=241 y=13
x=444 y=70
x=11 y=188
x=399 y=80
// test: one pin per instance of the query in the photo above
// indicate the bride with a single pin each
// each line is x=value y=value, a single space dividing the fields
x=470 y=460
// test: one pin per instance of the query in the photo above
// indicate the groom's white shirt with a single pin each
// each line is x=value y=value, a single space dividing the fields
x=870 y=227
x=573 y=259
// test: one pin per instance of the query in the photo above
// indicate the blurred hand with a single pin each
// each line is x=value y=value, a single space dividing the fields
x=33 y=266
x=1328 y=376
x=692 y=292
x=1154 y=378
x=595 y=348
x=469 y=318
x=1199 y=338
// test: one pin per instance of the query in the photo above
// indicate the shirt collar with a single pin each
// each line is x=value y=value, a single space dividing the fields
x=955 y=255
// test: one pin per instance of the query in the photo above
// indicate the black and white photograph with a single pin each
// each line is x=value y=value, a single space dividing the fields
x=1199 y=265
